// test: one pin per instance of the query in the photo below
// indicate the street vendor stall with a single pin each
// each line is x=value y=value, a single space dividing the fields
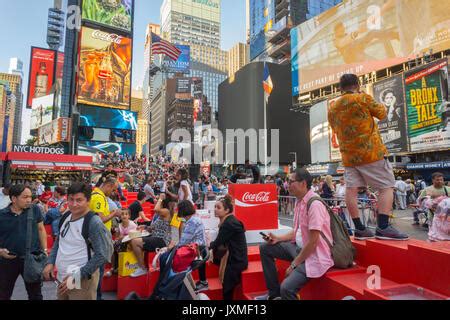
x=50 y=169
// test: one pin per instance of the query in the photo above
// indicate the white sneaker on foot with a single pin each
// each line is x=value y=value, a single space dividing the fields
x=138 y=273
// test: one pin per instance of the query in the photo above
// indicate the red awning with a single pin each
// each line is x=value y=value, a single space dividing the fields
x=2 y=156
x=56 y=166
x=22 y=156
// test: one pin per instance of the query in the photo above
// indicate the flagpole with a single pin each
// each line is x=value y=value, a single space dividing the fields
x=266 y=98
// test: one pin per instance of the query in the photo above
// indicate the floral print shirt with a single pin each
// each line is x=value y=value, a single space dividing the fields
x=352 y=119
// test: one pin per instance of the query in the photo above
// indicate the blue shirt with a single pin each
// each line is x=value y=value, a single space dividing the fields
x=193 y=232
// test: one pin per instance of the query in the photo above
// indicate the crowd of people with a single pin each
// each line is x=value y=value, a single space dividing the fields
x=91 y=227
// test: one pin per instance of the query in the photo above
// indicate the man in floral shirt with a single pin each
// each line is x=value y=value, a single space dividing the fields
x=364 y=155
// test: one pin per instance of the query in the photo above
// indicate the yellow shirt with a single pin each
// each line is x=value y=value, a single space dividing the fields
x=99 y=205
x=352 y=119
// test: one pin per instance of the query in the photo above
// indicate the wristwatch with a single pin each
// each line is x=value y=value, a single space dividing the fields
x=293 y=266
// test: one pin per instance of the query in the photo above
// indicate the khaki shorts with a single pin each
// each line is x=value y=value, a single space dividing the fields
x=378 y=175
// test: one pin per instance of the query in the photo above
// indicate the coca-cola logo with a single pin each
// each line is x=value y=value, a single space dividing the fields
x=256 y=197
x=105 y=36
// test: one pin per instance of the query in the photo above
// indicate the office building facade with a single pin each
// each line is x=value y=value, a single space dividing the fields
x=195 y=22
x=7 y=116
x=270 y=22
x=238 y=57
x=15 y=84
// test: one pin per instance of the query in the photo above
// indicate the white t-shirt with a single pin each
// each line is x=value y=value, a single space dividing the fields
x=4 y=200
x=181 y=192
x=72 y=251
x=401 y=187
x=340 y=190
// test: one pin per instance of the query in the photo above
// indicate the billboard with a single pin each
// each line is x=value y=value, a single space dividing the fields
x=108 y=118
x=390 y=92
x=106 y=135
x=427 y=101
x=42 y=111
x=183 y=86
x=182 y=65
x=320 y=133
x=90 y=148
x=56 y=131
x=41 y=76
x=105 y=69
x=335 y=151
x=377 y=35
x=116 y=13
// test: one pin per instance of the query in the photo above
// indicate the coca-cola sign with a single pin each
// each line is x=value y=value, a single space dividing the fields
x=256 y=197
x=108 y=37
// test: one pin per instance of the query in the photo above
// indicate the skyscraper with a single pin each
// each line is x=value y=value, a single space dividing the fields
x=197 y=23
x=238 y=56
x=16 y=67
x=191 y=22
x=7 y=116
x=270 y=22
x=148 y=87
x=15 y=84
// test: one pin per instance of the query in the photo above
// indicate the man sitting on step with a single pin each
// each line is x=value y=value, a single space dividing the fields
x=304 y=247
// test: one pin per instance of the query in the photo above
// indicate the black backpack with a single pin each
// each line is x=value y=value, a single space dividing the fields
x=84 y=229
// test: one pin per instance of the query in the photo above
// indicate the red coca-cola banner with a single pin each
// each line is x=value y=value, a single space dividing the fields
x=256 y=205
x=42 y=73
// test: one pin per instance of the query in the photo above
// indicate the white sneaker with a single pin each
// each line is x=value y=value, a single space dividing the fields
x=138 y=273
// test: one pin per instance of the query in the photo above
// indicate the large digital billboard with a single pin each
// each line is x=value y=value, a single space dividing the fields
x=182 y=65
x=42 y=72
x=390 y=93
x=90 y=148
x=108 y=118
x=320 y=133
x=427 y=100
x=111 y=13
x=42 y=111
x=105 y=69
x=364 y=36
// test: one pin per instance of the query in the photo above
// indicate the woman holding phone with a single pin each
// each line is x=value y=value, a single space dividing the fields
x=230 y=247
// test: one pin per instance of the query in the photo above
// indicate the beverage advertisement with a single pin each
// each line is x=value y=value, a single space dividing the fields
x=111 y=13
x=390 y=93
x=364 y=36
x=42 y=111
x=108 y=118
x=41 y=76
x=428 y=107
x=105 y=69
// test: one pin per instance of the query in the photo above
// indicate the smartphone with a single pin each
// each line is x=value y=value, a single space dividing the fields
x=264 y=236
x=13 y=254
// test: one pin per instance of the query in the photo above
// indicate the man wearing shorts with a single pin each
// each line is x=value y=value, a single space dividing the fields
x=364 y=156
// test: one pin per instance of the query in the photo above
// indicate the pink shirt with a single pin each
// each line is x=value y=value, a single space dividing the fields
x=318 y=218
x=124 y=231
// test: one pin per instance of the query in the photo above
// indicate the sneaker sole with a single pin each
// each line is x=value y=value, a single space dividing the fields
x=364 y=238
x=201 y=290
x=394 y=239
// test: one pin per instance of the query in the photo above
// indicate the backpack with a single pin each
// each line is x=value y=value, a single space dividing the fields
x=184 y=256
x=342 y=250
x=84 y=229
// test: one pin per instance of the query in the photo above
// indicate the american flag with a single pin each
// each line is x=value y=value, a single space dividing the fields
x=161 y=46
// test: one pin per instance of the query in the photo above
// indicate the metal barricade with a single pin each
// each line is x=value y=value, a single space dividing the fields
x=367 y=210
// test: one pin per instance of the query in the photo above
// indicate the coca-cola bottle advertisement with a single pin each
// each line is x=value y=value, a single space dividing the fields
x=42 y=73
x=105 y=69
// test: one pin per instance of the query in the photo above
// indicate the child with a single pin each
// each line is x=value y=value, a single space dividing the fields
x=125 y=227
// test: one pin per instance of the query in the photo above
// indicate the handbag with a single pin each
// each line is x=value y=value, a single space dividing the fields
x=35 y=262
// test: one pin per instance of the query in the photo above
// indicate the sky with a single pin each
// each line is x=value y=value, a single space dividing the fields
x=23 y=23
